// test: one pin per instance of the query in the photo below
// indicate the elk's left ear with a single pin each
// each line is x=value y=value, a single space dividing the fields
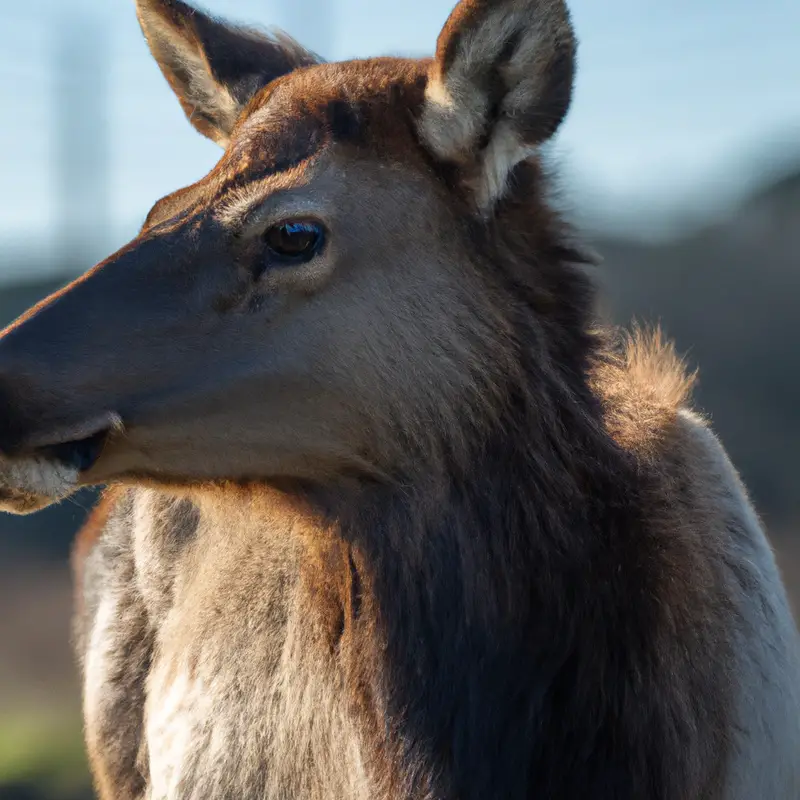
x=214 y=68
x=500 y=86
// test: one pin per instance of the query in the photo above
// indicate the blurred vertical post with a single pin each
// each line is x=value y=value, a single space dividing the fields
x=311 y=22
x=81 y=149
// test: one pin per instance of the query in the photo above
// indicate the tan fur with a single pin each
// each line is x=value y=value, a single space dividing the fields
x=284 y=715
x=644 y=385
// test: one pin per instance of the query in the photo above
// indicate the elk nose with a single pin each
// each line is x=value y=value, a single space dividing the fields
x=26 y=393
x=27 y=374
x=59 y=429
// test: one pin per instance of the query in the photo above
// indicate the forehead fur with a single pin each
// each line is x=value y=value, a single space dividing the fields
x=366 y=103
x=370 y=104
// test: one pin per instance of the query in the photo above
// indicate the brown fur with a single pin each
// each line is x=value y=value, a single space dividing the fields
x=85 y=542
x=399 y=519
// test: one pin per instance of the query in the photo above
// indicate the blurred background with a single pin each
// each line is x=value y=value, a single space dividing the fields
x=680 y=161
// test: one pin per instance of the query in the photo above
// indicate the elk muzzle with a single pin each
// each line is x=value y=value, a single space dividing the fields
x=76 y=365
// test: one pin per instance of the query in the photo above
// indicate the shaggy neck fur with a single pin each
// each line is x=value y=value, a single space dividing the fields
x=485 y=635
x=477 y=605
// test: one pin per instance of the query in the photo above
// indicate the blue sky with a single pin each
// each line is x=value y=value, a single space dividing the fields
x=675 y=98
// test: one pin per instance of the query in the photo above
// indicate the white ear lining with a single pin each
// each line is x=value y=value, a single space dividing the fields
x=502 y=154
x=456 y=112
x=451 y=129
x=453 y=117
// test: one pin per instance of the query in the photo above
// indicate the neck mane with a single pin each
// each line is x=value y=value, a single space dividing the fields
x=483 y=594
x=479 y=590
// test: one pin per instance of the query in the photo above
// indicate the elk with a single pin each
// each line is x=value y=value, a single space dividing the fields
x=390 y=512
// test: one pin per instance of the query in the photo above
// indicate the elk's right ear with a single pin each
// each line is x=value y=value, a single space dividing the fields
x=499 y=87
x=214 y=68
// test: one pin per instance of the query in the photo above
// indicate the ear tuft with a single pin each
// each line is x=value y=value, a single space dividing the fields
x=500 y=86
x=215 y=68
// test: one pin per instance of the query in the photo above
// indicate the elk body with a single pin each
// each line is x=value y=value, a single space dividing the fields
x=390 y=516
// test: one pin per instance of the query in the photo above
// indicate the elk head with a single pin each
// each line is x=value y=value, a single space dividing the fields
x=324 y=302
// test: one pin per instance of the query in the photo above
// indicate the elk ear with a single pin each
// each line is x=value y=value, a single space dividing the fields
x=499 y=87
x=214 y=68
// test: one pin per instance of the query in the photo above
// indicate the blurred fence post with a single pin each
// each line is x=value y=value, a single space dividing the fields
x=81 y=66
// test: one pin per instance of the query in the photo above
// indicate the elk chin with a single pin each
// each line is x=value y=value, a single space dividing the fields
x=33 y=482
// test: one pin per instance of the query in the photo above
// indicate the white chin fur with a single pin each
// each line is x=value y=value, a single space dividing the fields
x=30 y=484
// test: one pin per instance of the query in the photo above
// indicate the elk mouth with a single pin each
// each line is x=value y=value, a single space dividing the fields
x=51 y=470
x=80 y=454
x=78 y=447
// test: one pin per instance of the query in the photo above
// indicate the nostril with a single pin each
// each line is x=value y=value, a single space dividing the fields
x=60 y=429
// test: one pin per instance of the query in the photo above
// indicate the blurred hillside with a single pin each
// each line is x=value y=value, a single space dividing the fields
x=728 y=294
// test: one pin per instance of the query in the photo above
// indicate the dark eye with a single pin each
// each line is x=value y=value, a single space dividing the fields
x=295 y=242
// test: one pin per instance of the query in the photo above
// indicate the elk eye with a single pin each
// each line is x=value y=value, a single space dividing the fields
x=295 y=242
